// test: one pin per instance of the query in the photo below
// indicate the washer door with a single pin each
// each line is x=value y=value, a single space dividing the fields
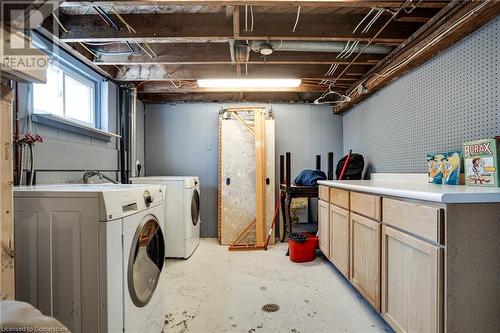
x=195 y=207
x=146 y=259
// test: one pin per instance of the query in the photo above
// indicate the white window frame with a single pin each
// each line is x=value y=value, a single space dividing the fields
x=89 y=83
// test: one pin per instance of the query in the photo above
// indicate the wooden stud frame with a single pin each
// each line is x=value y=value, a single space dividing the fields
x=260 y=179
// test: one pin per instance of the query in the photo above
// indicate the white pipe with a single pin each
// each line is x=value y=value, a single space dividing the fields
x=133 y=132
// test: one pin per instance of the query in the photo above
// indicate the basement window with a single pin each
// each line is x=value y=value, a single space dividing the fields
x=68 y=95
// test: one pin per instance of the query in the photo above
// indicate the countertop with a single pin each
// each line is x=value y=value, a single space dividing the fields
x=420 y=191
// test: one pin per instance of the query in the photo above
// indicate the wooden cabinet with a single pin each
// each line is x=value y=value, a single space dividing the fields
x=365 y=257
x=324 y=227
x=422 y=220
x=339 y=239
x=367 y=205
x=339 y=197
x=411 y=282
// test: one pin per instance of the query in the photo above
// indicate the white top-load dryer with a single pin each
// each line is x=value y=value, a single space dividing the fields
x=92 y=256
x=182 y=213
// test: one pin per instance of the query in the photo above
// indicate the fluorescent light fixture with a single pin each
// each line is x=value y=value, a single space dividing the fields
x=249 y=83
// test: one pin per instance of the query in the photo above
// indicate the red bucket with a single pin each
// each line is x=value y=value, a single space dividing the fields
x=302 y=247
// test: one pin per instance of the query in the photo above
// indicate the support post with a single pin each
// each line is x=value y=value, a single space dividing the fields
x=330 y=166
x=287 y=168
x=260 y=175
x=282 y=169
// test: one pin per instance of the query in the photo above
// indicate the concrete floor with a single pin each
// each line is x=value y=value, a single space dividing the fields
x=221 y=291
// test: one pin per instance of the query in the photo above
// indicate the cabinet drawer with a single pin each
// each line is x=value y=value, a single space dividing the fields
x=339 y=197
x=324 y=193
x=422 y=220
x=366 y=204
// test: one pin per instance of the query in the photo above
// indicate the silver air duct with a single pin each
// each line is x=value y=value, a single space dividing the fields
x=295 y=46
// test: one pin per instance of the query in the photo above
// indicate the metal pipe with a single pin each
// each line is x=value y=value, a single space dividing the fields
x=330 y=166
x=133 y=132
x=296 y=46
x=288 y=169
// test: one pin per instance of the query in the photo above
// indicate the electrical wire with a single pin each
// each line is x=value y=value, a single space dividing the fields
x=144 y=50
x=345 y=48
x=128 y=26
x=373 y=38
x=363 y=20
x=296 y=20
x=374 y=19
x=251 y=18
x=246 y=17
x=435 y=39
x=60 y=24
x=394 y=14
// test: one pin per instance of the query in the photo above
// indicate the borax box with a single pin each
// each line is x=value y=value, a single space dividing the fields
x=481 y=162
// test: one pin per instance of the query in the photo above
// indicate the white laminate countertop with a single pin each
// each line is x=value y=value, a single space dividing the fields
x=420 y=191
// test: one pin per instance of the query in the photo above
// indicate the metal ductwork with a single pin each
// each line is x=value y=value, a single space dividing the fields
x=337 y=47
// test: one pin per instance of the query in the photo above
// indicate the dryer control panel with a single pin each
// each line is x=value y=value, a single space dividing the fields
x=131 y=200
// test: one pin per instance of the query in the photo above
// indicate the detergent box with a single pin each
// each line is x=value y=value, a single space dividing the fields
x=444 y=168
x=435 y=170
x=481 y=162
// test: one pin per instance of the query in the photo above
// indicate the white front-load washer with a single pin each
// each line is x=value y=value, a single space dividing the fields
x=92 y=256
x=182 y=213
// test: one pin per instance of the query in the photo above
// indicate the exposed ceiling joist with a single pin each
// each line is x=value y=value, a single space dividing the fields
x=455 y=21
x=186 y=27
x=168 y=88
x=312 y=3
x=192 y=72
x=264 y=97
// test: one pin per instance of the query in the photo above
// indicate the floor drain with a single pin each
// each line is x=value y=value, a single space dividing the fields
x=270 y=307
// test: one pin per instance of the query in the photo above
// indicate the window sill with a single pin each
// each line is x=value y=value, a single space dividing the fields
x=72 y=126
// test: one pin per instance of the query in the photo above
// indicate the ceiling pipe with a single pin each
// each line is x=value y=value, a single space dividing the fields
x=337 y=47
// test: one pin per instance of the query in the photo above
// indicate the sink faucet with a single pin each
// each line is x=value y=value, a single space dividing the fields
x=92 y=173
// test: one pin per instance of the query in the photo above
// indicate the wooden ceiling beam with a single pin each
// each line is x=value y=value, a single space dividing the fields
x=453 y=23
x=199 y=27
x=305 y=3
x=193 y=72
x=192 y=87
x=237 y=97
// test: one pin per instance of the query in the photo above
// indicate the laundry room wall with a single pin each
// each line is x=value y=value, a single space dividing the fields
x=451 y=99
x=182 y=140
x=64 y=154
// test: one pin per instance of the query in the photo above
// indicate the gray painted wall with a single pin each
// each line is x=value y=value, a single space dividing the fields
x=453 y=98
x=181 y=140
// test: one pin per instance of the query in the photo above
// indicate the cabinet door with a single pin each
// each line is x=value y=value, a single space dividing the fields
x=365 y=258
x=339 y=239
x=411 y=283
x=324 y=227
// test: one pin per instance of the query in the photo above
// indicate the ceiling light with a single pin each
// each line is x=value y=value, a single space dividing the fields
x=266 y=49
x=249 y=83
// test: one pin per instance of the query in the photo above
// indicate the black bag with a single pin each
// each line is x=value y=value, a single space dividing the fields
x=354 y=170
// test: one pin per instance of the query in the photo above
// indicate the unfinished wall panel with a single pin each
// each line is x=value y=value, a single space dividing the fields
x=6 y=201
x=238 y=179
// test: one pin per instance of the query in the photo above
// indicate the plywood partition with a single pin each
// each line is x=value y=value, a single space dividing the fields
x=6 y=201
x=246 y=176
